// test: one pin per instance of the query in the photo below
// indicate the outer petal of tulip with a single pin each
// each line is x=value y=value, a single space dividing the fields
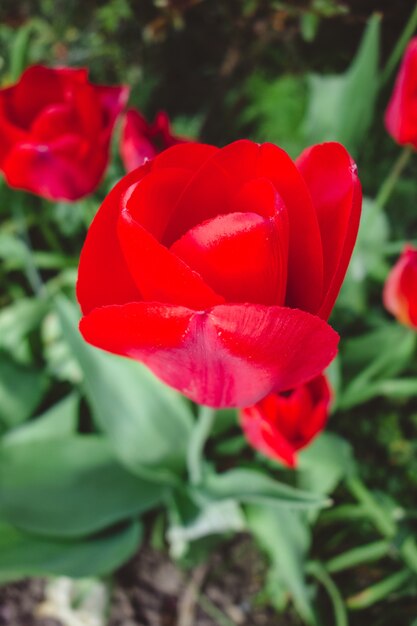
x=331 y=177
x=401 y=113
x=36 y=89
x=400 y=290
x=230 y=355
x=104 y=277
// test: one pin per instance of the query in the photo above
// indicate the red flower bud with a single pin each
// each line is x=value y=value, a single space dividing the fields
x=55 y=130
x=400 y=290
x=283 y=423
x=401 y=113
x=217 y=267
x=141 y=141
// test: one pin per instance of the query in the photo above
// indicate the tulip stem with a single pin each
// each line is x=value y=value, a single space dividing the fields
x=392 y=178
x=397 y=53
x=199 y=436
x=384 y=521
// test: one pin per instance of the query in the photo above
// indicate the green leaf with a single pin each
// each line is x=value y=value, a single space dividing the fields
x=341 y=107
x=21 y=390
x=284 y=536
x=368 y=259
x=57 y=422
x=18 y=319
x=69 y=487
x=24 y=554
x=377 y=356
x=147 y=423
x=214 y=518
x=277 y=109
x=324 y=463
x=247 y=485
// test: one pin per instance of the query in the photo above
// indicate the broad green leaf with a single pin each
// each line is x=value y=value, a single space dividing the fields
x=247 y=485
x=147 y=423
x=69 y=487
x=276 y=108
x=341 y=107
x=284 y=536
x=23 y=554
x=324 y=463
x=57 y=422
x=21 y=390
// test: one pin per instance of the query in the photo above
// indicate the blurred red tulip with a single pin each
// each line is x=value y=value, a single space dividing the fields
x=283 y=423
x=401 y=113
x=141 y=141
x=55 y=131
x=400 y=291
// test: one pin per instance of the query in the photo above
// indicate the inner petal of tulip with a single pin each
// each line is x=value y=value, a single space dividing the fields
x=54 y=121
x=238 y=255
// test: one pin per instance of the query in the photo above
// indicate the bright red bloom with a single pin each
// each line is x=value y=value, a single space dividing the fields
x=401 y=113
x=283 y=423
x=55 y=130
x=400 y=290
x=217 y=267
x=141 y=141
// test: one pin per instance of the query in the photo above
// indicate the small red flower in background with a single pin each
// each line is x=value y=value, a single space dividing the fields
x=55 y=131
x=141 y=141
x=217 y=268
x=401 y=113
x=400 y=290
x=283 y=423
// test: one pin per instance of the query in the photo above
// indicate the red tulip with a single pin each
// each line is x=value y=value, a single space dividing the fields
x=217 y=267
x=141 y=141
x=400 y=291
x=401 y=113
x=55 y=130
x=283 y=423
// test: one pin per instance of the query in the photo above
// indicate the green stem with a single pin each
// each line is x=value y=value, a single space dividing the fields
x=212 y=611
x=31 y=271
x=379 y=591
x=318 y=571
x=356 y=556
x=397 y=53
x=392 y=178
x=199 y=436
x=381 y=519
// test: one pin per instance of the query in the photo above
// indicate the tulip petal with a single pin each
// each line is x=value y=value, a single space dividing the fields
x=401 y=113
x=158 y=273
x=400 y=289
x=238 y=256
x=135 y=144
x=331 y=177
x=51 y=170
x=36 y=89
x=264 y=436
x=190 y=156
x=230 y=355
x=305 y=262
x=210 y=192
x=103 y=275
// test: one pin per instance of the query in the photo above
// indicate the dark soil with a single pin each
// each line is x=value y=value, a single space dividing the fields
x=151 y=590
